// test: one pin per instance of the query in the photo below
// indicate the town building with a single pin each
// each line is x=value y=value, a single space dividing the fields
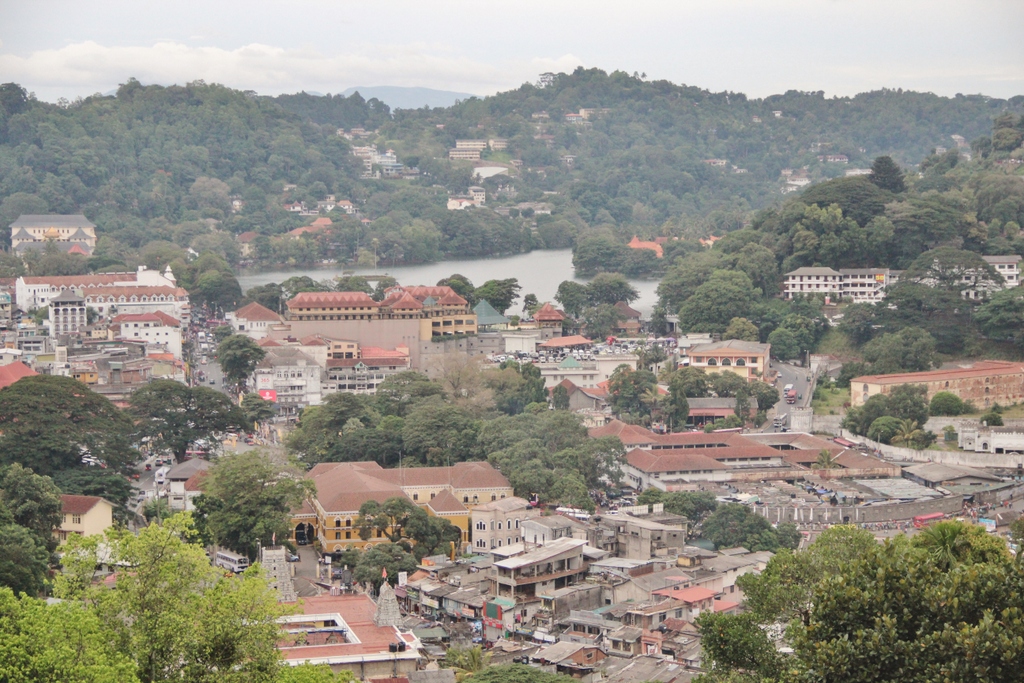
x=83 y=515
x=499 y=523
x=637 y=243
x=478 y=145
x=72 y=234
x=488 y=319
x=245 y=240
x=32 y=292
x=182 y=483
x=155 y=329
x=289 y=378
x=497 y=144
x=812 y=280
x=364 y=371
x=984 y=383
x=253 y=320
x=342 y=488
x=464 y=154
x=112 y=301
x=629 y=320
x=67 y=314
x=346 y=632
x=527 y=574
x=749 y=360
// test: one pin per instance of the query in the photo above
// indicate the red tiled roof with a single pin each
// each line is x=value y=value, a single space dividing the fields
x=267 y=341
x=626 y=310
x=194 y=483
x=247 y=236
x=100 y=280
x=687 y=460
x=637 y=243
x=9 y=374
x=408 y=302
x=979 y=369
x=357 y=611
x=158 y=317
x=256 y=311
x=548 y=313
x=313 y=340
x=446 y=502
x=378 y=352
x=688 y=595
x=561 y=342
x=335 y=299
x=78 y=505
x=442 y=294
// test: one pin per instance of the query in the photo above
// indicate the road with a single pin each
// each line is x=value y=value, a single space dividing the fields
x=797 y=376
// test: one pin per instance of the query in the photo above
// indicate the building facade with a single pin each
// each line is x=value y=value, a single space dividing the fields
x=749 y=360
x=983 y=384
x=84 y=515
x=155 y=329
x=290 y=378
x=67 y=314
x=74 y=234
x=499 y=523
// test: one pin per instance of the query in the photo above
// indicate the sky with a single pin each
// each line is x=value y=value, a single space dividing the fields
x=60 y=48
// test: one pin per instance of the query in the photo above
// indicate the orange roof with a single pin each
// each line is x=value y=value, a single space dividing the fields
x=100 y=280
x=195 y=482
x=333 y=299
x=407 y=302
x=688 y=595
x=256 y=311
x=322 y=221
x=710 y=241
x=442 y=294
x=560 y=342
x=979 y=369
x=357 y=611
x=247 y=236
x=158 y=317
x=78 y=505
x=548 y=313
x=446 y=502
x=9 y=374
x=637 y=243
x=267 y=341
x=128 y=292
x=683 y=460
x=378 y=352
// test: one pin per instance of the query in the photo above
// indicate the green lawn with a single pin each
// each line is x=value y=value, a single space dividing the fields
x=831 y=402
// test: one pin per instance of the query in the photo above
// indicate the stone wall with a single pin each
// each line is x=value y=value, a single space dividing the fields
x=962 y=458
x=840 y=514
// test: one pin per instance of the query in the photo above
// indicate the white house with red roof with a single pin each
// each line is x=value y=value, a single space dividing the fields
x=253 y=320
x=155 y=329
x=84 y=515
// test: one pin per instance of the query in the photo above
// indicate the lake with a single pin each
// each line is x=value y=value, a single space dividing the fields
x=539 y=272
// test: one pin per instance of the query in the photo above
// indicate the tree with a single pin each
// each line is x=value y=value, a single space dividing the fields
x=560 y=398
x=734 y=525
x=626 y=388
x=610 y=288
x=389 y=519
x=601 y=321
x=255 y=494
x=499 y=293
x=992 y=419
x=766 y=395
x=256 y=409
x=676 y=408
x=725 y=295
x=741 y=328
x=738 y=644
x=694 y=381
x=467 y=660
x=47 y=423
x=784 y=344
x=825 y=461
x=909 y=350
x=516 y=673
x=887 y=175
x=440 y=433
x=24 y=559
x=573 y=297
x=33 y=502
x=1001 y=316
x=376 y=558
x=98 y=481
x=399 y=393
x=238 y=356
x=43 y=643
x=884 y=428
x=946 y=403
x=908 y=402
x=955 y=270
x=174 y=416
x=174 y=615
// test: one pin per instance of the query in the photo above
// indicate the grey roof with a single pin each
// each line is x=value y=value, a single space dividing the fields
x=729 y=403
x=1009 y=258
x=184 y=470
x=735 y=344
x=645 y=668
x=284 y=355
x=78 y=234
x=437 y=676
x=20 y=233
x=487 y=315
x=35 y=220
x=937 y=473
x=67 y=296
x=863 y=271
x=813 y=271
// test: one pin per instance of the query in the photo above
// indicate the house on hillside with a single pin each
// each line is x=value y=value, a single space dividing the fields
x=83 y=515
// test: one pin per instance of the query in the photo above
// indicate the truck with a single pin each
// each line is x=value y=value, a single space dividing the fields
x=790 y=394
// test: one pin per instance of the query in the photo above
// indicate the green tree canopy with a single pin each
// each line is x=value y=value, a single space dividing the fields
x=238 y=356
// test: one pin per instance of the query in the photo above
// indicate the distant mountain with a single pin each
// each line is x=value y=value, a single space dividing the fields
x=398 y=97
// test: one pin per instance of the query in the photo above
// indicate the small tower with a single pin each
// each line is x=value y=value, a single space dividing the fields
x=387 y=613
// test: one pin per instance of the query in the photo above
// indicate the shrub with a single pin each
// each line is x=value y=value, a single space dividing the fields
x=946 y=403
x=992 y=419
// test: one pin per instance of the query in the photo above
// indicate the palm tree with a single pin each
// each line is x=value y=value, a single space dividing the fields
x=945 y=542
x=826 y=461
x=907 y=434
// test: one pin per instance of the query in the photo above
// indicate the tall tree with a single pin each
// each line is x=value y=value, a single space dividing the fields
x=48 y=422
x=238 y=356
x=33 y=502
x=887 y=175
x=175 y=416
x=499 y=293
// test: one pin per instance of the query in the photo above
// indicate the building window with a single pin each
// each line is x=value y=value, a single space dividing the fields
x=348 y=535
x=415 y=496
x=337 y=535
x=337 y=522
x=76 y=519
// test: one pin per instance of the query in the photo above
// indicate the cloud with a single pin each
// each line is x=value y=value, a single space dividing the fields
x=86 y=67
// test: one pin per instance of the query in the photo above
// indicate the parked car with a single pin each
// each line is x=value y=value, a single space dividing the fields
x=292 y=557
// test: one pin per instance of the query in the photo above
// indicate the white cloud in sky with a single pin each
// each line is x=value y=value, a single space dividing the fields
x=270 y=69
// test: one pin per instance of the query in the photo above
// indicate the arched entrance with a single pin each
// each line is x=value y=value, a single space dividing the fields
x=304 y=533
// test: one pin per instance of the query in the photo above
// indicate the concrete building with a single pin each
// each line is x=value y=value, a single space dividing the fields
x=253 y=320
x=73 y=234
x=67 y=314
x=991 y=439
x=342 y=488
x=499 y=523
x=804 y=281
x=290 y=378
x=636 y=538
x=983 y=383
x=464 y=154
x=524 y=577
x=155 y=329
x=365 y=372
x=749 y=360
x=32 y=292
x=84 y=515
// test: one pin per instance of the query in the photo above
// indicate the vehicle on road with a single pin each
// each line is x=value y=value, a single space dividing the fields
x=292 y=557
x=231 y=561
x=161 y=475
x=922 y=521
x=791 y=394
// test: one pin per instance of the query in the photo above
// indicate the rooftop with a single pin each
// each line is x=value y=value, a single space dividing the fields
x=79 y=505
x=34 y=220
x=542 y=553
x=980 y=369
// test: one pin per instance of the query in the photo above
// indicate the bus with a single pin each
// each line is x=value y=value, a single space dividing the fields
x=231 y=561
x=922 y=521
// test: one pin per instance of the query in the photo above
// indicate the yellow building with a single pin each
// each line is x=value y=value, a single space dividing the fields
x=749 y=360
x=342 y=488
x=85 y=516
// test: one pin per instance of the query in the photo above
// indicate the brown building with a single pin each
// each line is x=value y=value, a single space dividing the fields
x=983 y=384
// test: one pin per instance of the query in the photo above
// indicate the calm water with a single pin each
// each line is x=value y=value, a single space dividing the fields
x=539 y=272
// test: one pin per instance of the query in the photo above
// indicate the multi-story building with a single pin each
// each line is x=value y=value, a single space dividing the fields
x=499 y=523
x=526 y=576
x=112 y=301
x=980 y=287
x=67 y=313
x=749 y=360
x=464 y=154
x=983 y=384
x=342 y=488
x=866 y=285
x=804 y=281
x=84 y=515
x=290 y=378
x=364 y=372
x=478 y=145
x=31 y=292
x=153 y=328
x=253 y=320
x=74 y=234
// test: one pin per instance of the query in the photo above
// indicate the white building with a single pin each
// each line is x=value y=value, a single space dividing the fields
x=290 y=378
x=253 y=320
x=112 y=301
x=67 y=314
x=32 y=292
x=156 y=329
x=499 y=523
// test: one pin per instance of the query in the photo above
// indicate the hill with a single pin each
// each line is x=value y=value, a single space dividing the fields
x=398 y=97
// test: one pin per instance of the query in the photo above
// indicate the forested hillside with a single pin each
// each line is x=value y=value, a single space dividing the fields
x=156 y=168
